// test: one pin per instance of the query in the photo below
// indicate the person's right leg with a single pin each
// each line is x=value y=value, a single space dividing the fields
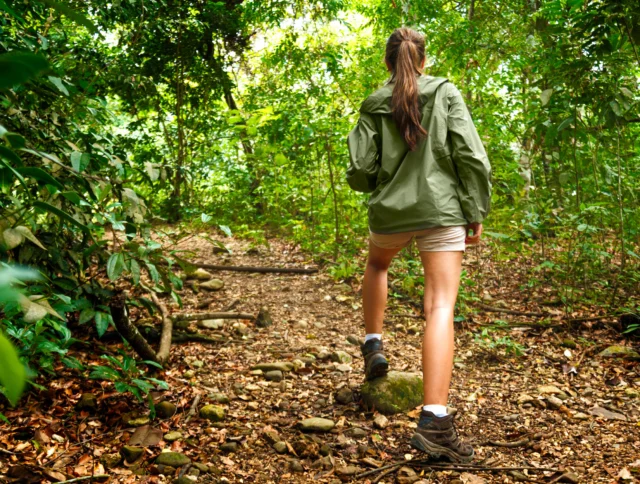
x=436 y=434
x=441 y=280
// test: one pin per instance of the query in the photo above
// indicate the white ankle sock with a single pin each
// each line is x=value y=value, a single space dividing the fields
x=437 y=410
x=373 y=336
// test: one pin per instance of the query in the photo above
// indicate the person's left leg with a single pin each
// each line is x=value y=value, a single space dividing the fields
x=374 y=286
x=374 y=300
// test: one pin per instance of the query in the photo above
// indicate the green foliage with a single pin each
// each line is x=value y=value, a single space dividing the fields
x=127 y=376
x=487 y=338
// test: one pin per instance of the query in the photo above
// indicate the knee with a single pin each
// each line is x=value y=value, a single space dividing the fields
x=377 y=265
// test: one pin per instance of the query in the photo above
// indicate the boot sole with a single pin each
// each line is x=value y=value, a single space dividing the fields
x=436 y=451
x=378 y=370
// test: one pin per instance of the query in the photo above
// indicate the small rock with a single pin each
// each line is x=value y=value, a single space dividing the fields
x=341 y=357
x=201 y=467
x=165 y=409
x=241 y=328
x=343 y=288
x=630 y=392
x=263 y=320
x=280 y=447
x=581 y=416
x=316 y=424
x=229 y=447
x=271 y=436
x=184 y=480
x=549 y=389
x=88 y=401
x=344 y=395
x=618 y=351
x=197 y=364
x=301 y=325
x=219 y=397
x=111 y=460
x=347 y=470
x=607 y=414
x=131 y=453
x=135 y=419
x=172 y=436
x=344 y=368
x=214 y=413
x=295 y=466
x=569 y=343
x=356 y=433
x=201 y=275
x=554 y=402
x=212 y=324
x=406 y=475
x=189 y=374
x=279 y=365
x=323 y=355
x=381 y=422
x=172 y=459
x=212 y=285
x=570 y=477
x=394 y=393
x=297 y=364
x=324 y=450
x=274 y=375
x=354 y=340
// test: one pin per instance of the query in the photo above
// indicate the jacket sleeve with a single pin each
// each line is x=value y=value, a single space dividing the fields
x=363 y=143
x=470 y=159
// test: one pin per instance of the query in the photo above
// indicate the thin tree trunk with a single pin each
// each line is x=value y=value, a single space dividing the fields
x=335 y=199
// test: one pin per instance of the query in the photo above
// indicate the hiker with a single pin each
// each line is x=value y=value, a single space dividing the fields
x=417 y=151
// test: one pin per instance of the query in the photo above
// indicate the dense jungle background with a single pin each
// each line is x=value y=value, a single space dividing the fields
x=175 y=227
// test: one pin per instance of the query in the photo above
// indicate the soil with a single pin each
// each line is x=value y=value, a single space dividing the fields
x=532 y=411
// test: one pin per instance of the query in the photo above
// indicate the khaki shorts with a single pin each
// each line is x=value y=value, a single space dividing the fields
x=434 y=239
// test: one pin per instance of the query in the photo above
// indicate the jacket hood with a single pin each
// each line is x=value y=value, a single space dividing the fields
x=379 y=102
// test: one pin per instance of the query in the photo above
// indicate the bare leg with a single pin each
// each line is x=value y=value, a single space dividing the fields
x=374 y=287
x=442 y=280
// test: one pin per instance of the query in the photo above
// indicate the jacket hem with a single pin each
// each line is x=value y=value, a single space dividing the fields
x=416 y=227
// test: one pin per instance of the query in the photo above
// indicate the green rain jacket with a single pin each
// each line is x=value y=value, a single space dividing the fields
x=447 y=179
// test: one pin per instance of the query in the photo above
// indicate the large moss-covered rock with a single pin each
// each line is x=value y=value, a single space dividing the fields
x=617 y=351
x=394 y=393
x=173 y=459
x=215 y=413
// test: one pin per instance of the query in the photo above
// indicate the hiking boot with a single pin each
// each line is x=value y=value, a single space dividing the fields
x=375 y=364
x=437 y=436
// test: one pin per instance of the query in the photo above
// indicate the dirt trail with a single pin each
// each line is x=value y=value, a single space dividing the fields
x=509 y=401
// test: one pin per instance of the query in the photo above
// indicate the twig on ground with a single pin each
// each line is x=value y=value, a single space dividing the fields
x=203 y=316
x=194 y=408
x=261 y=270
x=84 y=478
x=492 y=309
x=515 y=443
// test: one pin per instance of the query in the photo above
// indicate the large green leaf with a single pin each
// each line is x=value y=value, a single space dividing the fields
x=40 y=175
x=12 y=374
x=72 y=15
x=18 y=67
x=115 y=265
x=62 y=214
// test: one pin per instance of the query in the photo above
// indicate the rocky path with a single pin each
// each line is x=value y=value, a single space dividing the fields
x=559 y=406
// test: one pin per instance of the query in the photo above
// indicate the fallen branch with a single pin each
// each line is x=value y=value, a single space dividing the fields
x=167 y=328
x=492 y=309
x=425 y=463
x=515 y=443
x=84 y=478
x=203 y=316
x=261 y=270
x=129 y=331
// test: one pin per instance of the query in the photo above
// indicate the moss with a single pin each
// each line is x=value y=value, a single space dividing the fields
x=397 y=392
